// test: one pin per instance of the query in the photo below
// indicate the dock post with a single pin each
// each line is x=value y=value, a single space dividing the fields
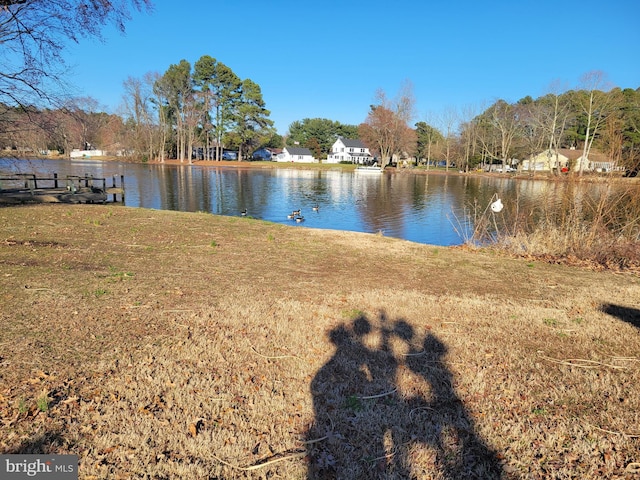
x=55 y=180
x=122 y=186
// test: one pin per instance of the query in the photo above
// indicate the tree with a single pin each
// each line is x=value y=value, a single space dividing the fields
x=138 y=105
x=176 y=89
x=613 y=137
x=448 y=122
x=272 y=140
x=346 y=131
x=535 y=131
x=220 y=89
x=631 y=130
x=319 y=134
x=428 y=139
x=315 y=148
x=498 y=128
x=204 y=106
x=86 y=120
x=251 y=117
x=551 y=113
x=204 y=77
x=20 y=129
x=161 y=102
x=33 y=34
x=597 y=106
x=386 y=129
x=111 y=134
x=468 y=138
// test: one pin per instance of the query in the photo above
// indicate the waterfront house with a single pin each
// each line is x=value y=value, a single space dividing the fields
x=348 y=150
x=569 y=158
x=545 y=161
x=296 y=154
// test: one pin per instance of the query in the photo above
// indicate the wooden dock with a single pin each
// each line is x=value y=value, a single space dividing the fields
x=29 y=188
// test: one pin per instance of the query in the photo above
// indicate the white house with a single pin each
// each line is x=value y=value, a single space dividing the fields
x=347 y=150
x=296 y=154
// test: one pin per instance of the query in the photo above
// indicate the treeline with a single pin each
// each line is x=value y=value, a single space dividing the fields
x=188 y=112
x=78 y=123
x=197 y=112
x=588 y=120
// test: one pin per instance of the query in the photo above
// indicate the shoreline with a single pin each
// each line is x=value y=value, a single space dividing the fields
x=258 y=165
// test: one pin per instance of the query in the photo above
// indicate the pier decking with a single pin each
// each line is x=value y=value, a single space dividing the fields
x=29 y=188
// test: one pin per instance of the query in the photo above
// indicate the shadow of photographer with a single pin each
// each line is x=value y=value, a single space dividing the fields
x=367 y=427
x=626 y=314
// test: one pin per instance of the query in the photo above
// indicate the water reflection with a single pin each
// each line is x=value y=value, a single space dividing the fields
x=432 y=209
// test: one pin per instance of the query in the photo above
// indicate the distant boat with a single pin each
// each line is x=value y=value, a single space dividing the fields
x=85 y=154
x=368 y=169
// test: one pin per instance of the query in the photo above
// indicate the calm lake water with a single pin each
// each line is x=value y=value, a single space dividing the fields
x=431 y=209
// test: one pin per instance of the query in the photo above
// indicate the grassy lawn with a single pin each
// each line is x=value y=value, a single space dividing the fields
x=161 y=344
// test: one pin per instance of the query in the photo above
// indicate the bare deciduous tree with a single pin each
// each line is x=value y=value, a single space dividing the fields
x=138 y=109
x=597 y=106
x=386 y=129
x=468 y=136
x=33 y=35
x=448 y=126
x=497 y=129
x=429 y=142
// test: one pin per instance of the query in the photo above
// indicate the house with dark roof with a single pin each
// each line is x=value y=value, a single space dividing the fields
x=348 y=150
x=296 y=154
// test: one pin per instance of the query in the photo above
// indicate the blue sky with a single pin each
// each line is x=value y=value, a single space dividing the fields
x=328 y=58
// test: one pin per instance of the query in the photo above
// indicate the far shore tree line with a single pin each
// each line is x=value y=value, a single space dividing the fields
x=189 y=112
x=196 y=113
x=591 y=118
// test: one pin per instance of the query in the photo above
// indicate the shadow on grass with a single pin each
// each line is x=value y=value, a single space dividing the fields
x=45 y=443
x=365 y=429
x=626 y=314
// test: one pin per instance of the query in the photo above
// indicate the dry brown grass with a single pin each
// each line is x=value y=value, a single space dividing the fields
x=597 y=227
x=157 y=344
